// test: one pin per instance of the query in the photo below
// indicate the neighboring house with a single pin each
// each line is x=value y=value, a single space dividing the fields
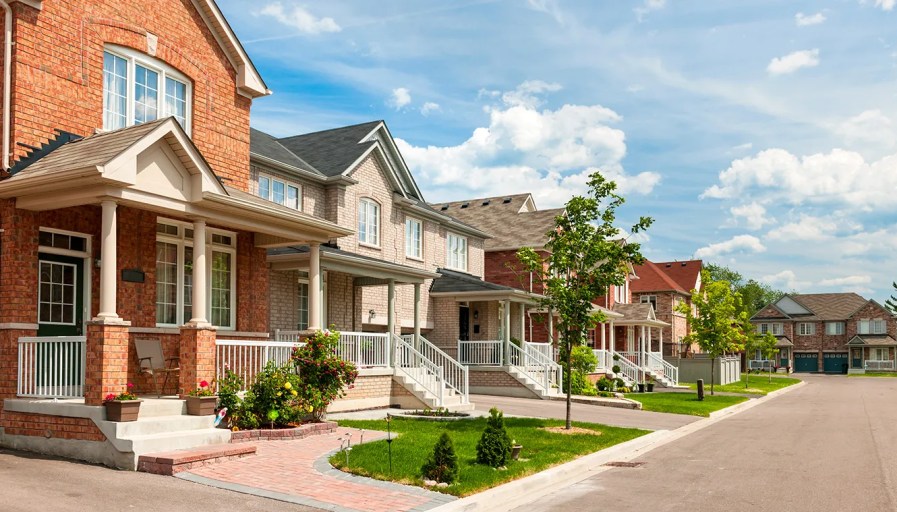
x=665 y=286
x=830 y=332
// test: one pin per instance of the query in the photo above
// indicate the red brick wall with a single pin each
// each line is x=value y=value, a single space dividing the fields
x=56 y=427
x=503 y=267
x=58 y=73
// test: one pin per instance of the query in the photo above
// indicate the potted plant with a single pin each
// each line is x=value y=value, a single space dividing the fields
x=122 y=407
x=202 y=400
x=649 y=383
x=515 y=449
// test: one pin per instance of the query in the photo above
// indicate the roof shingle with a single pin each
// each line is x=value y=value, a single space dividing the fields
x=507 y=218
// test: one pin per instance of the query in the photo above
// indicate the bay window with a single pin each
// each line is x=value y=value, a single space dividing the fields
x=456 y=252
x=174 y=275
x=138 y=89
x=368 y=222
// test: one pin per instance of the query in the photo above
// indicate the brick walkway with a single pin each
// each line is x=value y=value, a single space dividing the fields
x=298 y=472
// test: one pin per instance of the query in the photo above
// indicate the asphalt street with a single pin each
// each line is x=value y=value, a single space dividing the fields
x=826 y=446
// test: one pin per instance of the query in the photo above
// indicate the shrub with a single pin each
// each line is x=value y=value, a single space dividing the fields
x=605 y=384
x=228 y=387
x=583 y=360
x=275 y=397
x=324 y=375
x=494 y=446
x=616 y=368
x=442 y=465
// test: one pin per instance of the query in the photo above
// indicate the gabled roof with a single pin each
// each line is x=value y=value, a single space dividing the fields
x=267 y=146
x=783 y=341
x=470 y=287
x=829 y=306
x=333 y=151
x=637 y=314
x=513 y=221
x=870 y=340
x=659 y=277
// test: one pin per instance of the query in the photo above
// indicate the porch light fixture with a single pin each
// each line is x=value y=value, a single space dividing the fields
x=476 y=314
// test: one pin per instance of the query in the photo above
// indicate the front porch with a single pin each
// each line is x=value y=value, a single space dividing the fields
x=872 y=353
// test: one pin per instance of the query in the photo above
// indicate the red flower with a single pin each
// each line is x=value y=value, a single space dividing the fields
x=110 y=396
x=203 y=384
x=130 y=385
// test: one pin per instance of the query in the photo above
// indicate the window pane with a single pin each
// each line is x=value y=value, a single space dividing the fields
x=188 y=283
x=303 y=307
x=115 y=83
x=176 y=100
x=293 y=197
x=264 y=187
x=146 y=95
x=278 y=192
x=166 y=283
x=221 y=289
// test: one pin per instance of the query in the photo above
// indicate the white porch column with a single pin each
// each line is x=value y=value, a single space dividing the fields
x=613 y=337
x=603 y=336
x=661 y=340
x=550 y=326
x=391 y=318
x=108 y=261
x=641 y=355
x=417 y=315
x=523 y=322
x=314 y=287
x=650 y=343
x=199 y=274
x=506 y=334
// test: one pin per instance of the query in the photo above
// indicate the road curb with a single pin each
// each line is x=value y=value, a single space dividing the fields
x=526 y=490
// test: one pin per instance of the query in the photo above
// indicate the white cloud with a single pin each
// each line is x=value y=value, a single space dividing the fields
x=547 y=152
x=808 y=227
x=747 y=146
x=869 y=127
x=846 y=281
x=786 y=280
x=298 y=17
x=400 y=98
x=739 y=243
x=647 y=7
x=886 y=5
x=803 y=20
x=793 y=61
x=428 y=108
x=841 y=178
x=549 y=7
x=754 y=215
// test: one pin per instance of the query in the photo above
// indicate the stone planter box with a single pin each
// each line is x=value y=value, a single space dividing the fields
x=122 y=410
x=284 y=434
x=201 y=405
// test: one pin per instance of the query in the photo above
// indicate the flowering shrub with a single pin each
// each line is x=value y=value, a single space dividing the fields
x=324 y=375
x=204 y=389
x=228 y=387
x=123 y=396
x=271 y=399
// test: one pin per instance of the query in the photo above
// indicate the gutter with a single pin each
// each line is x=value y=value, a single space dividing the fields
x=7 y=79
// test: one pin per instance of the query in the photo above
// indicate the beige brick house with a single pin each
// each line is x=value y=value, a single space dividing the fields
x=830 y=332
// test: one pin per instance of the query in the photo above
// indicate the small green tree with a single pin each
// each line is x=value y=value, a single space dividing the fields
x=585 y=256
x=494 y=446
x=767 y=347
x=442 y=465
x=716 y=324
x=583 y=362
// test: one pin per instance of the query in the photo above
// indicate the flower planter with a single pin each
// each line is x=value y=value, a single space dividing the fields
x=641 y=388
x=650 y=387
x=515 y=451
x=201 y=405
x=122 y=410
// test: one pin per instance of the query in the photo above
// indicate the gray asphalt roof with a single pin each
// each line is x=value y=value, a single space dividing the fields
x=453 y=282
x=268 y=146
x=331 y=151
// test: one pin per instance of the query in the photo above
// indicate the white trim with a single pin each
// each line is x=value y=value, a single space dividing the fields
x=420 y=245
x=378 y=217
x=448 y=252
x=86 y=255
x=286 y=184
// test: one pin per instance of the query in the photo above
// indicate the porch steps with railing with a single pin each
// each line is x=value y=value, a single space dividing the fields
x=663 y=373
x=534 y=367
x=430 y=374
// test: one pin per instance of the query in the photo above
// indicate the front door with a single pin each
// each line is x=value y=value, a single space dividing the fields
x=464 y=323
x=60 y=302
x=856 y=360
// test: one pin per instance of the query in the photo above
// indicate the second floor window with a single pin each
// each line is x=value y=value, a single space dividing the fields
x=456 y=252
x=138 y=89
x=280 y=192
x=834 y=328
x=871 y=326
x=650 y=299
x=368 y=222
x=414 y=241
x=806 y=328
x=774 y=328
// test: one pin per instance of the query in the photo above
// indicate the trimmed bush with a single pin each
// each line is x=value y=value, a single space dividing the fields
x=494 y=446
x=442 y=465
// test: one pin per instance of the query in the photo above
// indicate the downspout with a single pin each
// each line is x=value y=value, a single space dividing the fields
x=7 y=79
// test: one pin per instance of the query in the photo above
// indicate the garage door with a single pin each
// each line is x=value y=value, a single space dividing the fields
x=834 y=362
x=806 y=362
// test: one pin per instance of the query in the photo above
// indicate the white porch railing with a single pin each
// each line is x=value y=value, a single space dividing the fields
x=629 y=369
x=657 y=364
x=364 y=349
x=603 y=357
x=412 y=363
x=537 y=367
x=760 y=364
x=455 y=374
x=52 y=366
x=546 y=349
x=247 y=358
x=282 y=335
x=480 y=353
x=874 y=364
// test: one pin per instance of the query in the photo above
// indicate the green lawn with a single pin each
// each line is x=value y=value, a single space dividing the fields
x=411 y=448
x=684 y=403
x=758 y=384
x=873 y=374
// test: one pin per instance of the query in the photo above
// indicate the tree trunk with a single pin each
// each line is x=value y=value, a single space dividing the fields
x=712 y=373
x=569 y=384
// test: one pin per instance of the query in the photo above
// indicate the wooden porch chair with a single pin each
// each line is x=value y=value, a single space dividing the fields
x=151 y=361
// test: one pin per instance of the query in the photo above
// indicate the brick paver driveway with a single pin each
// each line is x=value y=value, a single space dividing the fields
x=827 y=446
x=297 y=472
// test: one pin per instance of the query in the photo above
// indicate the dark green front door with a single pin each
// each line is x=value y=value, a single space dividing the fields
x=857 y=360
x=834 y=362
x=60 y=301
x=806 y=362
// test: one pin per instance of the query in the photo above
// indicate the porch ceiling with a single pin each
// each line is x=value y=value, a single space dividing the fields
x=367 y=271
x=156 y=167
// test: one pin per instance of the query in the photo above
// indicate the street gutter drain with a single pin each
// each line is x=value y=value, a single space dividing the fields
x=621 y=464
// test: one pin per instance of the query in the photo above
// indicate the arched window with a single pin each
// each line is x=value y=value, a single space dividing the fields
x=368 y=222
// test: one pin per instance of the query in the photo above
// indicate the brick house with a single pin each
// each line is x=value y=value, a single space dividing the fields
x=664 y=286
x=830 y=332
x=126 y=141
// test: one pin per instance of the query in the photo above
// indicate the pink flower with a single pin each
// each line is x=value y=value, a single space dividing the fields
x=110 y=396
x=130 y=385
x=203 y=384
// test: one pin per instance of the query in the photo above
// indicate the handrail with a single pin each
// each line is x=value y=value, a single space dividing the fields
x=538 y=368
x=627 y=367
x=480 y=353
x=669 y=372
x=603 y=356
x=455 y=373
x=51 y=366
x=430 y=375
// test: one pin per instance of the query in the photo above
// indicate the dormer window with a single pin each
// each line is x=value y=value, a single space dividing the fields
x=138 y=89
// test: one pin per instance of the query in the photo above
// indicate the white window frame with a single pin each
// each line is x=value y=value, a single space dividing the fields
x=181 y=242
x=286 y=186
x=456 y=251
x=776 y=328
x=879 y=354
x=872 y=326
x=303 y=281
x=133 y=58
x=368 y=236
x=649 y=299
x=414 y=250
x=835 y=328
x=806 y=328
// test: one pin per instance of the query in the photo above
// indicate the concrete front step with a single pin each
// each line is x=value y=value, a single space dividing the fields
x=162 y=424
x=170 y=441
x=451 y=400
x=153 y=407
x=171 y=463
x=530 y=385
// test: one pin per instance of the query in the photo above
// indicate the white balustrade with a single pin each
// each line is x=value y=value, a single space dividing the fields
x=668 y=371
x=412 y=363
x=537 y=367
x=603 y=357
x=52 y=366
x=455 y=374
x=364 y=349
x=760 y=364
x=480 y=353
x=629 y=369
x=874 y=364
x=247 y=358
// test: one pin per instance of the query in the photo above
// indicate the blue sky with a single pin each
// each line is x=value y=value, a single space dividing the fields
x=760 y=135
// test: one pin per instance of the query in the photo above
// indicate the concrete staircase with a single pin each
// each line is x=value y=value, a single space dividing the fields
x=535 y=385
x=420 y=383
x=162 y=426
